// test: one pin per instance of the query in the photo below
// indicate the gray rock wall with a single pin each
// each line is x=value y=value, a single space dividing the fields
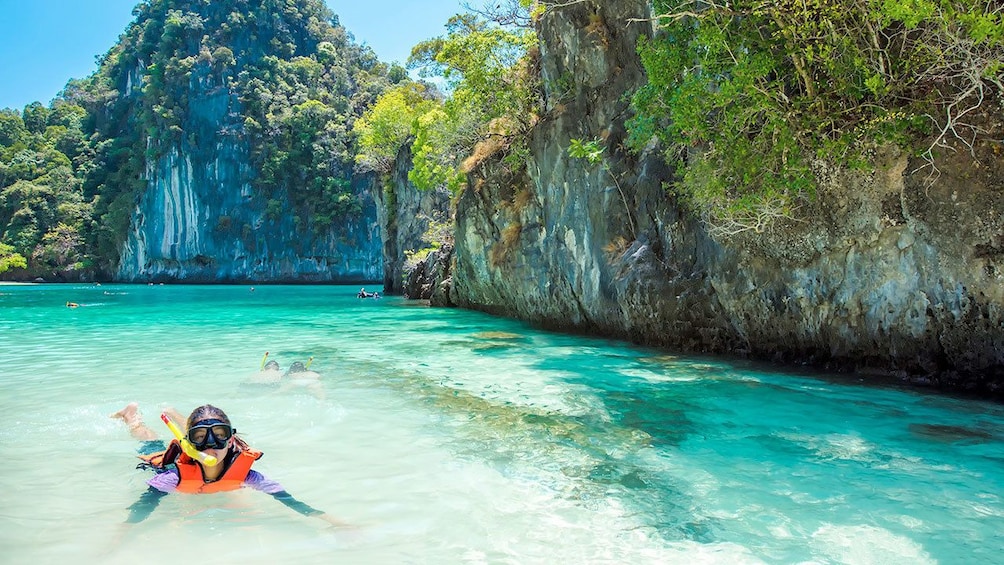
x=200 y=221
x=884 y=272
x=405 y=215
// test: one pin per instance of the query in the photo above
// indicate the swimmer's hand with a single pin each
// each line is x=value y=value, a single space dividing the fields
x=334 y=522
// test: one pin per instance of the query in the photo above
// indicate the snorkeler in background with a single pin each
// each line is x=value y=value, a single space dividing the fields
x=222 y=463
x=299 y=376
x=269 y=373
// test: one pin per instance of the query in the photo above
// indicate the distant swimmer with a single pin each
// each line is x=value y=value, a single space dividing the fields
x=72 y=305
x=363 y=294
x=269 y=373
x=299 y=376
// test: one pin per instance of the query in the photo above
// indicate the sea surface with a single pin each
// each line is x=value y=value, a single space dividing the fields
x=446 y=436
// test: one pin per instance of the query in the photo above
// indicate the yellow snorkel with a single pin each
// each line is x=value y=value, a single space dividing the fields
x=263 y=361
x=186 y=445
x=309 y=361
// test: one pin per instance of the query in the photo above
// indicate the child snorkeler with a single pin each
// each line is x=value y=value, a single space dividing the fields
x=209 y=431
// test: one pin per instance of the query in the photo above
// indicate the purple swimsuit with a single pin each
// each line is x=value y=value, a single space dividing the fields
x=167 y=482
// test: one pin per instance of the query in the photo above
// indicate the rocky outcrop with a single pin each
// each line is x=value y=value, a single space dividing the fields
x=431 y=279
x=405 y=215
x=247 y=111
x=199 y=221
x=890 y=271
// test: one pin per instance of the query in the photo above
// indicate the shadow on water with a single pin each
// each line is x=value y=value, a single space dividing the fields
x=490 y=342
x=657 y=410
x=584 y=458
x=951 y=434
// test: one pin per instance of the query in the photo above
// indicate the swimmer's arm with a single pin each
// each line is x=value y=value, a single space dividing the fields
x=258 y=481
x=306 y=509
x=297 y=505
x=146 y=504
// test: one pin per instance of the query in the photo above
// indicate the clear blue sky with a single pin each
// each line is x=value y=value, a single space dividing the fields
x=44 y=43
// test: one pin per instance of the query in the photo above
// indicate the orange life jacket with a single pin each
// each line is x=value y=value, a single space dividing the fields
x=192 y=479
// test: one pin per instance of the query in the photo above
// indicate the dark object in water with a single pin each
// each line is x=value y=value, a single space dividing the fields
x=950 y=434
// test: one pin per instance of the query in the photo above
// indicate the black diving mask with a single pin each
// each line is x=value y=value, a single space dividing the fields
x=210 y=434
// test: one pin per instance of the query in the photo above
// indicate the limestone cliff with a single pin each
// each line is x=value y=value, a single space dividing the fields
x=405 y=215
x=234 y=121
x=200 y=221
x=888 y=271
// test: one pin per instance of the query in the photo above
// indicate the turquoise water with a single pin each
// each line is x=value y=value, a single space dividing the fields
x=448 y=436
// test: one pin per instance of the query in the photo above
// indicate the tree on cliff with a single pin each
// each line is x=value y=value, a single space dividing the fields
x=391 y=122
x=763 y=88
x=9 y=259
x=488 y=69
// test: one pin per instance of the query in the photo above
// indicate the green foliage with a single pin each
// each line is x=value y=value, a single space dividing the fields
x=308 y=153
x=12 y=129
x=482 y=60
x=60 y=249
x=760 y=89
x=494 y=97
x=384 y=128
x=434 y=152
x=273 y=209
x=42 y=207
x=9 y=259
x=35 y=117
x=591 y=151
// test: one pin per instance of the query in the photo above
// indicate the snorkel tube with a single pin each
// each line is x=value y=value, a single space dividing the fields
x=186 y=445
x=263 y=361
x=309 y=361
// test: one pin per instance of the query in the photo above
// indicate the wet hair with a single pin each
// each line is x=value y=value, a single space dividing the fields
x=297 y=367
x=208 y=412
x=272 y=365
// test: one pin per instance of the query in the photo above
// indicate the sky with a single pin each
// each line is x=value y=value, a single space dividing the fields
x=45 y=43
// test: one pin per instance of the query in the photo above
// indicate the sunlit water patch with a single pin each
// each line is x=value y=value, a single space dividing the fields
x=448 y=436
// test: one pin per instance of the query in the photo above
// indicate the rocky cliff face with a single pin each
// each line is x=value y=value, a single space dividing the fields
x=405 y=215
x=887 y=271
x=200 y=221
x=246 y=110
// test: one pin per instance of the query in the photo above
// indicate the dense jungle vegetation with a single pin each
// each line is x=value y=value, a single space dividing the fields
x=764 y=88
x=71 y=173
x=743 y=96
x=493 y=85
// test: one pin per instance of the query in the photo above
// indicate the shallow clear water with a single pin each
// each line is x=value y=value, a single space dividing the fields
x=449 y=436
